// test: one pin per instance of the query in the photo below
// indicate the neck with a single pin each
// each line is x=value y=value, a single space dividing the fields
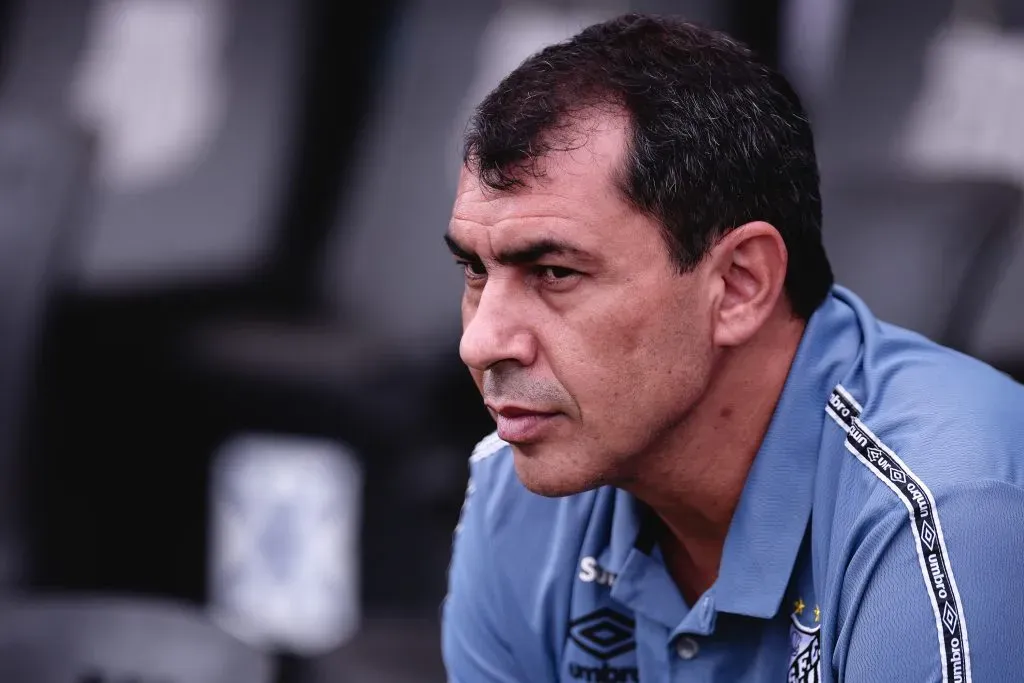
x=693 y=483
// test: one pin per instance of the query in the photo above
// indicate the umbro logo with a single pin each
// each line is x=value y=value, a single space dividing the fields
x=928 y=536
x=604 y=633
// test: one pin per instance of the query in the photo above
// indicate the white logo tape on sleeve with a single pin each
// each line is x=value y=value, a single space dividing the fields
x=924 y=519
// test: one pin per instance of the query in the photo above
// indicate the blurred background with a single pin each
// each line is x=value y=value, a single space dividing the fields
x=234 y=426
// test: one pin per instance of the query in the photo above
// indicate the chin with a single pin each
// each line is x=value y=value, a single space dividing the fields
x=554 y=473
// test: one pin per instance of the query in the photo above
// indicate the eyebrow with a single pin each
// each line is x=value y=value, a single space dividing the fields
x=523 y=254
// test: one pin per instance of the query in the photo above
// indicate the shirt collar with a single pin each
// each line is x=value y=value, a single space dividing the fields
x=771 y=518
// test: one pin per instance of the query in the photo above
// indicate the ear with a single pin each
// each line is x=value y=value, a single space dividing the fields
x=749 y=265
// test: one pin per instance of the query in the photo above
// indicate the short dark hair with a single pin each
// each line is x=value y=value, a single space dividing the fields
x=718 y=139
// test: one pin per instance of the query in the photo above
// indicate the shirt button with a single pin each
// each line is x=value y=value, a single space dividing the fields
x=687 y=648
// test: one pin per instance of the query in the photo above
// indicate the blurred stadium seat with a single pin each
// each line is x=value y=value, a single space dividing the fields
x=916 y=120
x=861 y=107
x=111 y=640
x=185 y=237
x=999 y=335
x=196 y=106
x=329 y=369
x=925 y=253
x=44 y=161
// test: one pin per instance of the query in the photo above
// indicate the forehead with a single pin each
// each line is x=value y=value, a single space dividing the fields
x=575 y=198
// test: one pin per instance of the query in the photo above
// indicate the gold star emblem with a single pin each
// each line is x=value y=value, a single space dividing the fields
x=798 y=606
x=817 y=614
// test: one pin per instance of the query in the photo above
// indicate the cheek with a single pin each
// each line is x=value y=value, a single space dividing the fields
x=644 y=360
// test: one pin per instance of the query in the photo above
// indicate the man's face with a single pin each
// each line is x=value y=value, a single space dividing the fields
x=588 y=346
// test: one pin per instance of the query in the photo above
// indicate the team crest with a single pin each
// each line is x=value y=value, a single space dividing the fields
x=804 y=649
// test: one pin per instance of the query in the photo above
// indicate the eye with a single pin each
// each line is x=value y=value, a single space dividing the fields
x=555 y=273
x=556 y=278
x=474 y=270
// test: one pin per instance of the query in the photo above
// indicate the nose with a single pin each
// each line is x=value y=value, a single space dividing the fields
x=494 y=331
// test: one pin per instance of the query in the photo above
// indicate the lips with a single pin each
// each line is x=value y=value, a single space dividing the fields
x=518 y=424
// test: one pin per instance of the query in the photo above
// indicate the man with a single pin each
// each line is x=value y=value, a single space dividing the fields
x=710 y=463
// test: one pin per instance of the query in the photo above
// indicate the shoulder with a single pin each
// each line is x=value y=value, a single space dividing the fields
x=515 y=519
x=493 y=489
x=949 y=417
x=925 y=434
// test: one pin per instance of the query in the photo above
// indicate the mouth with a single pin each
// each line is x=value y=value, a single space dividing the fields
x=519 y=424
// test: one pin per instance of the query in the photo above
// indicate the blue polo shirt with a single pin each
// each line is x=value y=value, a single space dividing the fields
x=879 y=537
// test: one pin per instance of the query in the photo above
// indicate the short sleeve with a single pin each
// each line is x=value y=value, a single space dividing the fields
x=947 y=598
